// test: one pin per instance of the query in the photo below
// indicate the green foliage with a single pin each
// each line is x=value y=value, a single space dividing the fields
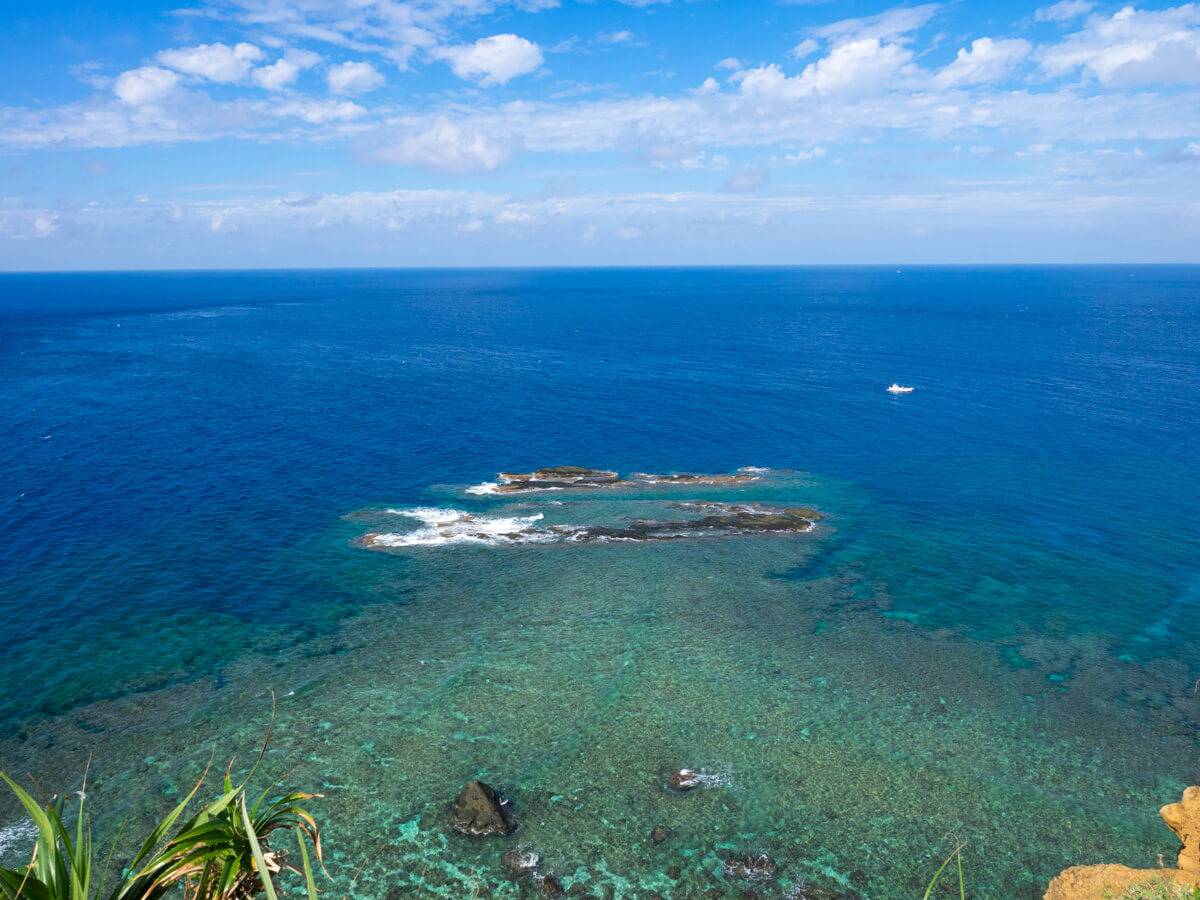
x=1161 y=890
x=222 y=852
x=957 y=854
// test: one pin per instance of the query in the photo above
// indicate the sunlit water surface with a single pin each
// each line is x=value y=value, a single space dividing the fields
x=991 y=636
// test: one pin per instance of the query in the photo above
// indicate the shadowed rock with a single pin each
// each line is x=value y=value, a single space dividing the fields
x=684 y=780
x=550 y=887
x=520 y=862
x=479 y=810
x=659 y=834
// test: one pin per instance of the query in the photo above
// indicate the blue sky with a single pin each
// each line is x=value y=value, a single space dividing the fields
x=236 y=133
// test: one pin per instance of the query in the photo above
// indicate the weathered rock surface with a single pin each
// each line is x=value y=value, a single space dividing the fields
x=550 y=887
x=1183 y=818
x=479 y=810
x=560 y=477
x=658 y=834
x=751 y=868
x=727 y=519
x=557 y=477
x=520 y=862
x=648 y=478
x=684 y=780
x=1103 y=882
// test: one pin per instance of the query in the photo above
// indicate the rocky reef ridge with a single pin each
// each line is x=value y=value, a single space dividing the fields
x=576 y=477
x=706 y=519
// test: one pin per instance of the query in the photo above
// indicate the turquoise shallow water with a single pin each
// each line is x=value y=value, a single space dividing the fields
x=990 y=635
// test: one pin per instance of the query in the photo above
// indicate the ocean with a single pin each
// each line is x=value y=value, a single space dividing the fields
x=989 y=636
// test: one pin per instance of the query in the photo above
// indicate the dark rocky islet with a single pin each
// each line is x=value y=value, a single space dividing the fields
x=479 y=810
x=564 y=477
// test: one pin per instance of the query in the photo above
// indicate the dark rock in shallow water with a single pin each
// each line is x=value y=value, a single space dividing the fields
x=659 y=834
x=550 y=887
x=751 y=868
x=803 y=512
x=684 y=780
x=479 y=810
x=519 y=862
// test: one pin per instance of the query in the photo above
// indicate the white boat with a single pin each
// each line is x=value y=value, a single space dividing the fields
x=899 y=389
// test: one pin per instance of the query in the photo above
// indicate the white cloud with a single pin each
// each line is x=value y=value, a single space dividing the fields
x=710 y=85
x=732 y=63
x=44 y=226
x=856 y=68
x=149 y=84
x=629 y=233
x=1133 y=47
x=445 y=145
x=893 y=24
x=804 y=49
x=354 y=78
x=276 y=76
x=493 y=60
x=216 y=62
x=615 y=37
x=747 y=180
x=319 y=112
x=283 y=72
x=1064 y=10
x=791 y=159
x=513 y=217
x=987 y=60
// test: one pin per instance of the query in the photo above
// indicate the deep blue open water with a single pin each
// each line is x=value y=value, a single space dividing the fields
x=994 y=632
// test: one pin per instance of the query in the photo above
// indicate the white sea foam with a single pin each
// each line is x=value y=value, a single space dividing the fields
x=755 y=470
x=701 y=778
x=454 y=526
x=488 y=487
x=17 y=838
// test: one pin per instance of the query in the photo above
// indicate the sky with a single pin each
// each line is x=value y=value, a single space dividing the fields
x=310 y=133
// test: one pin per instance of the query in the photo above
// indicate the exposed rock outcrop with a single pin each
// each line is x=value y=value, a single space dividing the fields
x=1183 y=818
x=557 y=477
x=479 y=810
x=561 y=477
x=520 y=862
x=684 y=780
x=1103 y=882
